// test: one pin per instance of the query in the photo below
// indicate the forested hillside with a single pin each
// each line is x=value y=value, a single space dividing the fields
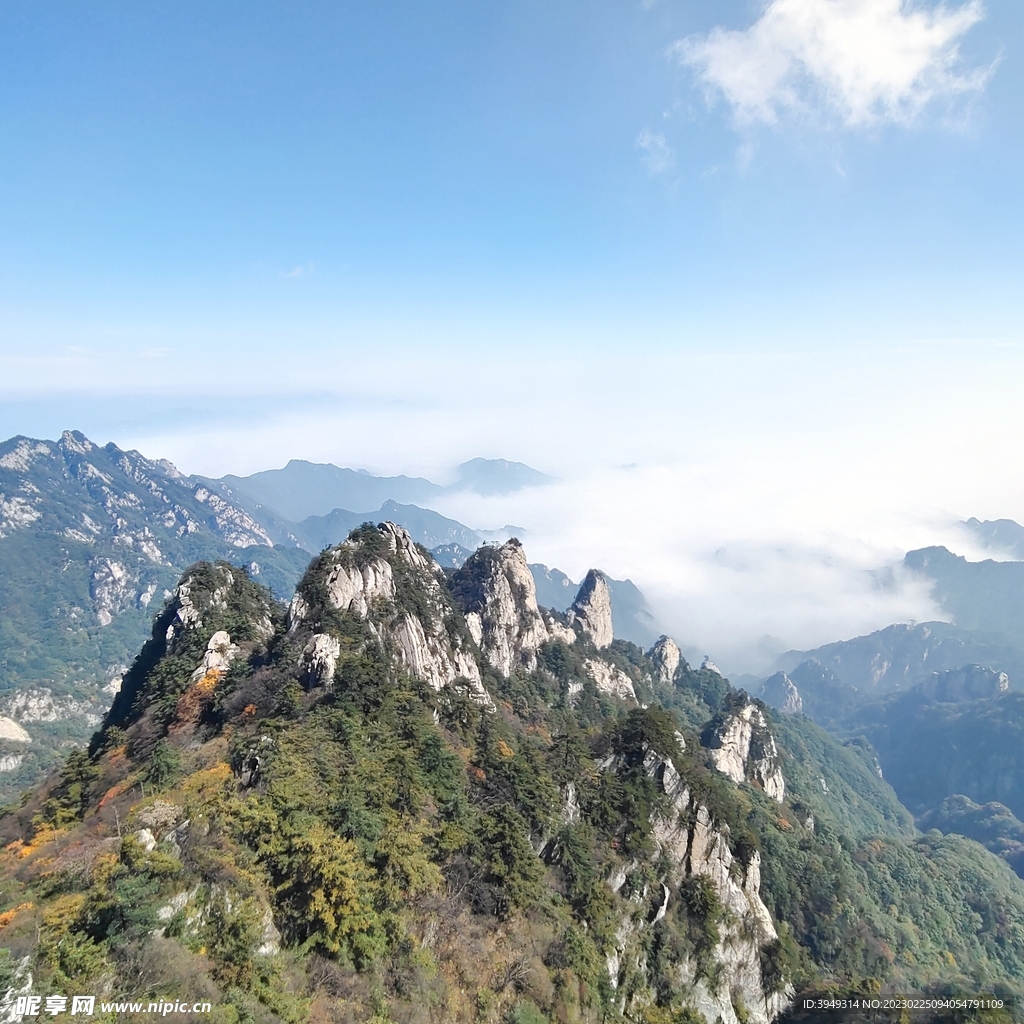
x=413 y=797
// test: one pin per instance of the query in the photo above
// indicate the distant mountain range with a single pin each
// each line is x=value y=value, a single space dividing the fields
x=986 y=595
x=940 y=702
x=93 y=538
x=1001 y=535
x=405 y=707
x=272 y=495
x=302 y=489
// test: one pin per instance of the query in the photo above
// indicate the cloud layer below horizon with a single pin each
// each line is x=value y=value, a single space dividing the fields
x=753 y=496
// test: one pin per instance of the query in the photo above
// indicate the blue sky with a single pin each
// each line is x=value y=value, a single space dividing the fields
x=769 y=252
x=167 y=167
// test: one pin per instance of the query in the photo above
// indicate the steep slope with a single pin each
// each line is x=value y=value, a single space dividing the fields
x=373 y=806
x=90 y=537
x=930 y=749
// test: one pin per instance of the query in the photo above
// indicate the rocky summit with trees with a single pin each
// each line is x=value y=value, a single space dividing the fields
x=413 y=795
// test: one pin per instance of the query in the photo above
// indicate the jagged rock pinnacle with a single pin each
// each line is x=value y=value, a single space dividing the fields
x=497 y=594
x=666 y=657
x=742 y=746
x=593 y=608
x=781 y=692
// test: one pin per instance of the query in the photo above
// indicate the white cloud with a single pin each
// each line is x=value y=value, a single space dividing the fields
x=863 y=62
x=768 y=488
x=658 y=155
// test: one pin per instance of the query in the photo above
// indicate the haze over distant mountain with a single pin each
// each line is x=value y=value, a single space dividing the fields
x=91 y=540
x=937 y=700
x=986 y=595
x=904 y=655
x=303 y=489
x=429 y=528
x=236 y=696
x=1002 y=535
x=498 y=476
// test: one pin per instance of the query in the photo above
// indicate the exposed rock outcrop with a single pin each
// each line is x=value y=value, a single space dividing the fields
x=686 y=837
x=357 y=588
x=10 y=730
x=666 y=657
x=198 y=596
x=383 y=578
x=781 y=692
x=113 y=589
x=610 y=680
x=557 y=630
x=319 y=660
x=40 y=705
x=971 y=682
x=426 y=650
x=220 y=652
x=593 y=609
x=496 y=592
x=209 y=596
x=742 y=746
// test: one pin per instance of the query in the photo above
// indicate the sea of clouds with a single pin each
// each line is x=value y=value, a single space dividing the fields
x=761 y=500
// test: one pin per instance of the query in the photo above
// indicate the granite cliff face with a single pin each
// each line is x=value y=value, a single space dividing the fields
x=781 y=692
x=380 y=577
x=495 y=590
x=592 y=609
x=742 y=747
x=734 y=989
x=666 y=656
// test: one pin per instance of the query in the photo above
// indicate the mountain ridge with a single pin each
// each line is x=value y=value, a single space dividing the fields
x=408 y=790
x=302 y=489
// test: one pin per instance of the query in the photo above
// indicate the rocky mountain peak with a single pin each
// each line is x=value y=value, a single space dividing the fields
x=666 y=656
x=697 y=852
x=75 y=441
x=971 y=682
x=215 y=614
x=381 y=577
x=742 y=746
x=593 y=608
x=496 y=592
x=781 y=692
x=401 y=544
